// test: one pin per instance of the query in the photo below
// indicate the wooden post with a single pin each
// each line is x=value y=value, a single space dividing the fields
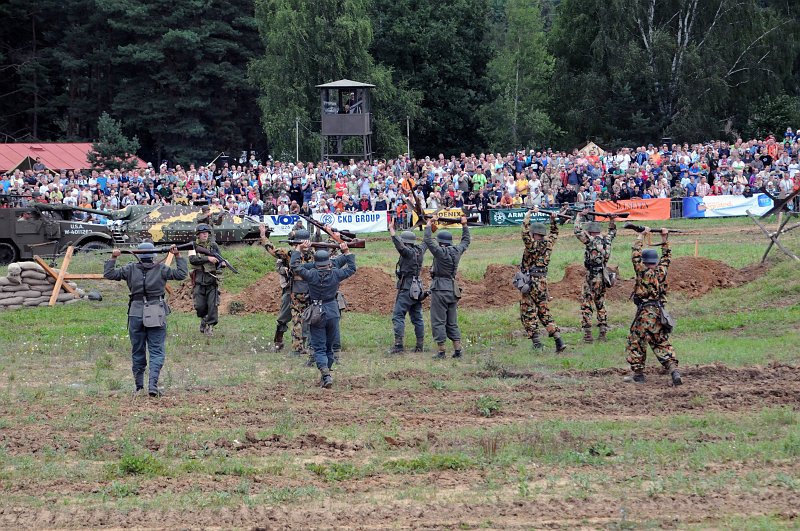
x=61 y=275
x=696 y=246
x=52 y=273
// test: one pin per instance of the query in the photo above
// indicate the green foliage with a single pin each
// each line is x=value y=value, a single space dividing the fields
x=112 y=151
x=429 y=462
x=311 y=43
x=487 y=405
x=333 y=472
x=140 y=464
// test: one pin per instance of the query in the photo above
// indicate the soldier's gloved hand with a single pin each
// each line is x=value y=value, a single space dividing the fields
x=115 y=253
x=174 y=250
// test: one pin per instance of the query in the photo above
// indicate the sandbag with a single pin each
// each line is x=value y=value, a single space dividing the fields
x=12 y=307
x=12 y=301
x=14 y=273
x=41 y=285
x=29 y=294
x=4 y=281
x=72 y=301
x=37 y=301
x=14 y=288
x=30 y=266
x=64 y=297
x=7 y=295
x=33 y=275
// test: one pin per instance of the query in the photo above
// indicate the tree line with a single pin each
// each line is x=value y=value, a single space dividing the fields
x=191 y=78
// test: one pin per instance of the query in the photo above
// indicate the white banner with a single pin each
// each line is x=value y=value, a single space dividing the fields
x=716 y=206
x=282 y=225
x=356 y=221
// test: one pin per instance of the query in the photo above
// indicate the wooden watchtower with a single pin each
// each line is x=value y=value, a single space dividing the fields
x=346 y=113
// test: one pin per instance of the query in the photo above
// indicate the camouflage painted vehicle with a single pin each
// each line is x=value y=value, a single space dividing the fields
x=173 y=224
x=45 y=230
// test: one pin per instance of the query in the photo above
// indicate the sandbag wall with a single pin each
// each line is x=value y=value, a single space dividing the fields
x=27 y=284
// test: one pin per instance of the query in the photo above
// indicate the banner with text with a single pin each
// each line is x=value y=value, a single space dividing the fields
x=639 y=209
x=450 y=213
x=281 y=225
x=515 y=216
x=717 y=206
x=356 y=221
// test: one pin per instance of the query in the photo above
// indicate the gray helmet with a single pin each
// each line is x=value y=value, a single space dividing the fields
x=203 y=227
x=302 y=234
x=649 y=256
x=322 y=259
x=539 y=228
x=593 y=227
x=408 y=237
x=205 y=208
x=444 y=237
x=147 y=246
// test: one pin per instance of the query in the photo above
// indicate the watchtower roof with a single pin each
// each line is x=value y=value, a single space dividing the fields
x=345 y=84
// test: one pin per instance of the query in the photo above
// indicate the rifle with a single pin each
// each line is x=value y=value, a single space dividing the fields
x=352 y=244
x=336 y=235
x=640 y=228
x=415 y=204
x=473 y=218
x=157 y=250
x=611 y=215
x=221 y=262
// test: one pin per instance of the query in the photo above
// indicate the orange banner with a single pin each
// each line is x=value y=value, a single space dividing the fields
x=639 y=209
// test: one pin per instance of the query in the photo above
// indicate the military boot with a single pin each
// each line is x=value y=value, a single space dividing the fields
x=397 y=348
x=536 y=341
x=202 y=327
x=420 y=346
x=310 y=360
x=326 y=381
x=672 y=369
x=587 y=335
x=209 y=332
x=560 y=346
x=603 y=331
x=456 y=349
x=278 y=340
x=440 y=355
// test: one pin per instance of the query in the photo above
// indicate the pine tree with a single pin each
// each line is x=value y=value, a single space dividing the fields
x=113 y=150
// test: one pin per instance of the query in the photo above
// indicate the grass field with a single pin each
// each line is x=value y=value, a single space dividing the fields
x=505 y=438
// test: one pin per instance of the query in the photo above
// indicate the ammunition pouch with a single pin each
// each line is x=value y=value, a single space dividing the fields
x=341 y=301
x=522 y=281
x=609 y=277
x=314 y=314
x=416 y=289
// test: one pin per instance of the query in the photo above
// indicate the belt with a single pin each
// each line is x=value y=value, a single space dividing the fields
x=142 y=298
x=649 y=302
x=442 y=276
x=537 y=271
x=323 y=302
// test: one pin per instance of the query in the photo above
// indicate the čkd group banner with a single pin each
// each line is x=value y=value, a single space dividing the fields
x=281 y=225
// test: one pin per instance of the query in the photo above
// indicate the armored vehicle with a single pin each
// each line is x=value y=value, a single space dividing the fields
x=173 y=224
x=46 y=229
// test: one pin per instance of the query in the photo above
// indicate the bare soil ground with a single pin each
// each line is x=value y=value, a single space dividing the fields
x=372 y=290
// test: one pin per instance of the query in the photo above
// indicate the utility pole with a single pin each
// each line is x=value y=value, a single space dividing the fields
x=297 y=139
x=408 y=135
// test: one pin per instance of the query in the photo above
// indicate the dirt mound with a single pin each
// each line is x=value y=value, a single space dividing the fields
x=372 y=290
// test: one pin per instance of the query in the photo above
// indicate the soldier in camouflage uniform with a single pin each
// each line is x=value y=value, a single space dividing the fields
x=206 y=277
x=300 y=300
x=533 y=306
x=595 y=258
x=207 y=218
x=650 y=296
x=282 y=267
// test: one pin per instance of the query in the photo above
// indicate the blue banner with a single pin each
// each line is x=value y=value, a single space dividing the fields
x=718 y=206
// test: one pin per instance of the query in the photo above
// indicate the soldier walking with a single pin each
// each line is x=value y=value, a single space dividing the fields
x=533 y=306
x=323 y=283
x=409 y=289
x=445 y=291
x=596 y=253
x=652 y=324
x=282 y=267
x=147 y=281
x=206 y=277
x=300 y=298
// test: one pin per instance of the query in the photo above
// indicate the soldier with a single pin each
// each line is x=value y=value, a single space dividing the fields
x=208 y=218
x=407 y=270
x=323 y=283
x=300 y=300
x=649 y=295
x=595 y=259
x=533 y=307
x=282 y=267
x=206 y=278
x=146 y=282
x=444 y=288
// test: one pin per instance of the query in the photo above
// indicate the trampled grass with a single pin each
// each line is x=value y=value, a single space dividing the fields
x=465 y=443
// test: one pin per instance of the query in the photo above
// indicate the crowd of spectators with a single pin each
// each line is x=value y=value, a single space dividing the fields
x=544 y=178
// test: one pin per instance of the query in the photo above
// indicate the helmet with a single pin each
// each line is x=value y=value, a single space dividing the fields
x=205 y=208
x=302 y=234
x=594 y=227
x=203 y=227
x=444 y=237
x=539 y=228
x=649 y=256
x=408 y=237
x=322 y=259
x=147 y=246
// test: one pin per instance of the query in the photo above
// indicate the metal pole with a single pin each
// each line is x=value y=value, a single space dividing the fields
x=297 y=139
x=408 y=136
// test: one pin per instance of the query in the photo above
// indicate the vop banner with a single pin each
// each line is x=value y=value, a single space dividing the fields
x=717 y=206
x=356 y=221
x=282 y=225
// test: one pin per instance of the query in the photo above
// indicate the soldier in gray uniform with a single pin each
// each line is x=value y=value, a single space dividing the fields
x=147 y=281
x=409 y=289
x=323 y=283
x=444 y=288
